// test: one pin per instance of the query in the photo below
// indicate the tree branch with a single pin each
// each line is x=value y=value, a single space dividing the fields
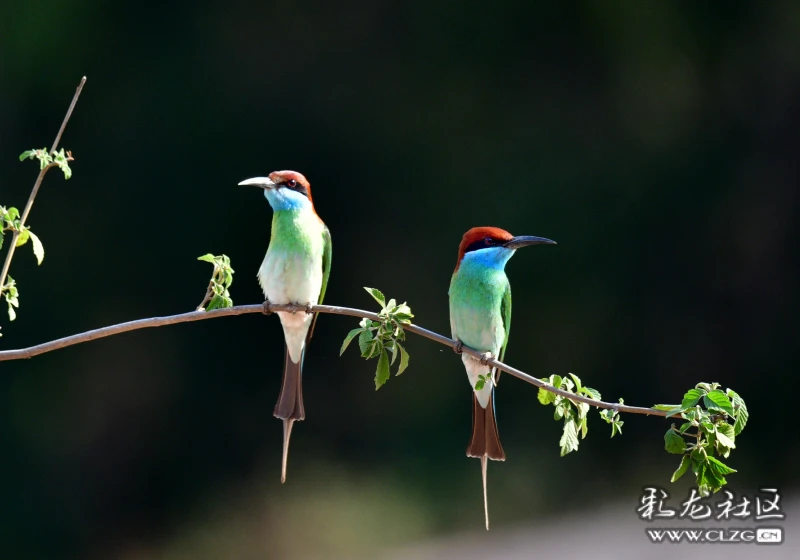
x=13 y=245
x=335 y=310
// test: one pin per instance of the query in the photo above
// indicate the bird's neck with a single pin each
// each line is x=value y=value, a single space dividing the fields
x=285 y=200
x=488 y=260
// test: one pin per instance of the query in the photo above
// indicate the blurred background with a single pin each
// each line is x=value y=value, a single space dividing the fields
x=656 y=142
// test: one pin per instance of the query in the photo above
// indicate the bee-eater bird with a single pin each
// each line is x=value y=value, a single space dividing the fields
x=295 y=270
x=480 y=317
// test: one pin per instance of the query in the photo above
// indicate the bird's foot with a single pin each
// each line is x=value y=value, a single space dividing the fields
x=459 y=347
x=485 y=357
x=266 y=307
x=310 y=308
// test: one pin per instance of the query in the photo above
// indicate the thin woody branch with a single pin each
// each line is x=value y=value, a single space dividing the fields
x=335 y=310
x=24 y=217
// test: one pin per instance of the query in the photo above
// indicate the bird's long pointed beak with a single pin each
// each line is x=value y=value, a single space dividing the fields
x=525 y=240
x=260 y=182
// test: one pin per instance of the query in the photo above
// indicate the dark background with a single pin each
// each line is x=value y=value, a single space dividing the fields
x=656 y=142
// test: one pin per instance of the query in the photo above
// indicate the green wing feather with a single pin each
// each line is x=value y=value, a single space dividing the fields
x=505 y=311
x=327 y=254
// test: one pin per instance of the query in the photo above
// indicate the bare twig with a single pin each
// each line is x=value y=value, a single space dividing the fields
x=13 y=245
x=207 y=297
x=335 y=310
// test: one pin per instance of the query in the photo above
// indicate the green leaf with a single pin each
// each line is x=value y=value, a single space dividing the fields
x=591 y=393
x=382 y=372
x=377 y=295
x=350 y=336
x=44 y=157
x=12 y=297
x=699 y=468
x=692 y=397
x=674 y=443
x=563 y=407
x=38 y=248
x=403 y=314
x=741 y=413
x=28 y=154
x=708 y=477
x=616 y=427
x=707 y=387
x=217 y=302
x=23 y=237
x=577 y=382
x=569 y=439
x=208 y=257
x=62 y=160
x=726 y=435
x=364 y=340
x=66 y=169
x=684 y=466
x=556 y=381
x=718 y=399
x=2 y=238
x=373 y=348
x=607 y=414
x=666 y=407
x=707 y=427
x=403 y=359
x=546 y=397
x=719 y=468
x=480 y=383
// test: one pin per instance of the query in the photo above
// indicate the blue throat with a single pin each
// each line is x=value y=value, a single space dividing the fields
x=285 y=199
x=492 y=258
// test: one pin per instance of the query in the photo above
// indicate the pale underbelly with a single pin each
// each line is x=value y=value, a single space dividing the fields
x=482 y=331
x=290 y=279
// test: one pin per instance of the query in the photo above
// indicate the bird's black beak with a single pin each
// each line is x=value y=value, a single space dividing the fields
x=260 y=182
x=525 y=240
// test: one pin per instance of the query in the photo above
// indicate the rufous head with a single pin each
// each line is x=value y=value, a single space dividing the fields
x=488 y=237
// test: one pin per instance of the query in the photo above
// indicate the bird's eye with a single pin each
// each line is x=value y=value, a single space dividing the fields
x=489 y=241
x=291 y=183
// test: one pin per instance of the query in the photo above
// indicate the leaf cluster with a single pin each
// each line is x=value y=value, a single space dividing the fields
x=11 y=221
x=217 y=294
x=712 y=420
x=11 y=293
x=573 y=413
x=379 y=338
x=46 y=158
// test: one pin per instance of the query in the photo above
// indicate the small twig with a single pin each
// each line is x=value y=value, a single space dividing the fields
x=335 y=310
x=13 y=245
x=206 y=299
x=209 y=292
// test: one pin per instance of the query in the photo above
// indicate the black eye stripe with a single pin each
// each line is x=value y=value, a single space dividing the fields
x=484 y=243
x=297 y=187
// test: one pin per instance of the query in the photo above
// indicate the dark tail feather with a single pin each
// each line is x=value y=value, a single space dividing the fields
x=485 y=439
x=290 y=403
x=485 y=442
